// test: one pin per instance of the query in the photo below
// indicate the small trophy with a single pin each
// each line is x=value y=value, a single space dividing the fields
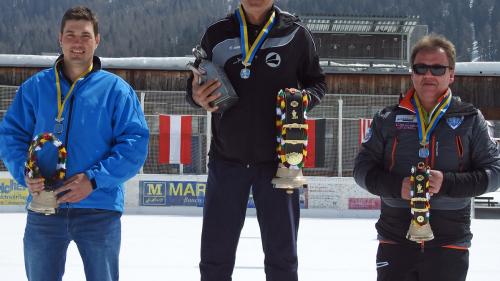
x=420 y=228
x=292 y=139
x=209 y=71
x=45 y=201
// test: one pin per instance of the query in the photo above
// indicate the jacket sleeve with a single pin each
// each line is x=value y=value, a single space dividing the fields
x=369 y=172
x=130 y=145
x=484 y=175
x=311 y=75
x=16 y=131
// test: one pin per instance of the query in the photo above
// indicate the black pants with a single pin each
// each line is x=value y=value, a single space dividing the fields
x=226 y=198
x=403 y=263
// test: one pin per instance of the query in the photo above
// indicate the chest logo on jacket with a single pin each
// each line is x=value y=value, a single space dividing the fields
x=273 y=59
x=406 y=122
x=454 y=122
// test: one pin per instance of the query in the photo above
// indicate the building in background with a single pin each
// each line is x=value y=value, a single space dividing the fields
x=364 y=40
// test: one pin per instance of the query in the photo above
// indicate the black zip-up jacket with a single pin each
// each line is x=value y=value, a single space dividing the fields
x=460 y=147
x=246 y=133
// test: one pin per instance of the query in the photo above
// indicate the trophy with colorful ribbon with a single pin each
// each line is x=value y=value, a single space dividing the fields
x=207 y=70
x=420 y=228
x=292 y=138
x=45 y=201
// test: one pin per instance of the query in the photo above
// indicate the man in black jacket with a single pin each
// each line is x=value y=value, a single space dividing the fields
x=428 y=125
x=243 y=146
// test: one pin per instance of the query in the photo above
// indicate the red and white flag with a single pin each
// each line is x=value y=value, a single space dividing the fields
x=364 y=125
x=175 y=139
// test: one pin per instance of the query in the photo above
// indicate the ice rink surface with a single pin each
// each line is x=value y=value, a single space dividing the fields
x=160 y=247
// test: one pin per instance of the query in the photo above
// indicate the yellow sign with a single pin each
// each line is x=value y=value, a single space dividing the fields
x=11 y=193
x=187 y=188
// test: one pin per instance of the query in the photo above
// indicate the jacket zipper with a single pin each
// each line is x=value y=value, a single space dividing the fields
x=460 y=152
x=393 y=153
x=67 y=132
x=433 y=151
x=69 y=120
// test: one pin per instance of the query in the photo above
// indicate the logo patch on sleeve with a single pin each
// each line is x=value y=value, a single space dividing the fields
x=368 y=135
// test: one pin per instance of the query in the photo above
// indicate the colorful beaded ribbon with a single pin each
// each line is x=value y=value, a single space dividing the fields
x=281 y=130
x=31 y=167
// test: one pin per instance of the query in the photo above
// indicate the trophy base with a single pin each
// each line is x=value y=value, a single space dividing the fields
x=288 y=179
x=44 y=202
x=419 y=233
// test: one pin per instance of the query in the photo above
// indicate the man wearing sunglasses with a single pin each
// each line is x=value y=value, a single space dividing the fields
x=432 y=126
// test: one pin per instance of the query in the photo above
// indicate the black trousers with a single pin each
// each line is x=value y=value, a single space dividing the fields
x=403 y=263
x=226 y=198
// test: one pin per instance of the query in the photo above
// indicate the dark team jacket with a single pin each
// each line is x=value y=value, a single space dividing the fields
x=460 y=147
x=246 y=133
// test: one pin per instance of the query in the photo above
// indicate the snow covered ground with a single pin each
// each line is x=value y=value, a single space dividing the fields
x=160 y=247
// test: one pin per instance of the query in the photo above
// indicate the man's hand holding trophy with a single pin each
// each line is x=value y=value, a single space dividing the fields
x=44 y=199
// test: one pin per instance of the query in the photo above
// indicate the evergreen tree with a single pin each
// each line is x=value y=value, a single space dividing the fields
x=173 y=27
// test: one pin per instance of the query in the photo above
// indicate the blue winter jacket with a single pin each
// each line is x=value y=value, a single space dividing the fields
x=105 y=132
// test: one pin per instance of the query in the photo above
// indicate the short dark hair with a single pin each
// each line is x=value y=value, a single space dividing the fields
x=434 y=42
x=80 y=13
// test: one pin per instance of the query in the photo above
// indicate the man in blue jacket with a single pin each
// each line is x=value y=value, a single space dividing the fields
x=98 y=118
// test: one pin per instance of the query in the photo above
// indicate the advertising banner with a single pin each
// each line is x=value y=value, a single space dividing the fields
x=11 y=193
x=184 y=193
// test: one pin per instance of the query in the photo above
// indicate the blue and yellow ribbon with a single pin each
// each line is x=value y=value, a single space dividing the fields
x=425 y=127
x=248 y=53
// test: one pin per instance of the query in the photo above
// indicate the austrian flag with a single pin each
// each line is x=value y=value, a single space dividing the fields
x=175 y=139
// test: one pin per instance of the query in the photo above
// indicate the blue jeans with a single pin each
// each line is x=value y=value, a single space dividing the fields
x=97 y=234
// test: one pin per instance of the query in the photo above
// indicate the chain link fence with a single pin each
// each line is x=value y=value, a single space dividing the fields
x=342 y=115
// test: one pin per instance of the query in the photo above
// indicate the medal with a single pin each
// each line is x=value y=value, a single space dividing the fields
x=245 y=73
x=248 y=52
x=423 y=152
x=59 y=126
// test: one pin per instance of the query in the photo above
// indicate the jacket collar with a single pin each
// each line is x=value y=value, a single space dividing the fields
x=406 y=103
x=457 y=107
x=95 y=60
x=283 y=19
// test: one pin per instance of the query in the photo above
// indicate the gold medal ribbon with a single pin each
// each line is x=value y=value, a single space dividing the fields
x=249 y=53
x=60 y=105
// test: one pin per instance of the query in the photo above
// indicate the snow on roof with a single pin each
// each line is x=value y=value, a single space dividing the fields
x=179 y=63
x=157 y=63
x=461 y=68
x=478 y=68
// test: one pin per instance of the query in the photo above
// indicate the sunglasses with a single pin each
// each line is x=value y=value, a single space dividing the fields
x=436 y=69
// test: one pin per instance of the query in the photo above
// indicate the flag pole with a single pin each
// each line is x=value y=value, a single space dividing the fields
x=339 y=147
x=143 y=98
x=209 y=135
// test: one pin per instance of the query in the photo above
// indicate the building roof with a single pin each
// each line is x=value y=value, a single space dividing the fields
x=152 y=63
x=179 y=63
x=360 y=24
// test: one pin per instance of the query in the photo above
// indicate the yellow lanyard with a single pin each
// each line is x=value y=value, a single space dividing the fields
x=60 y=105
